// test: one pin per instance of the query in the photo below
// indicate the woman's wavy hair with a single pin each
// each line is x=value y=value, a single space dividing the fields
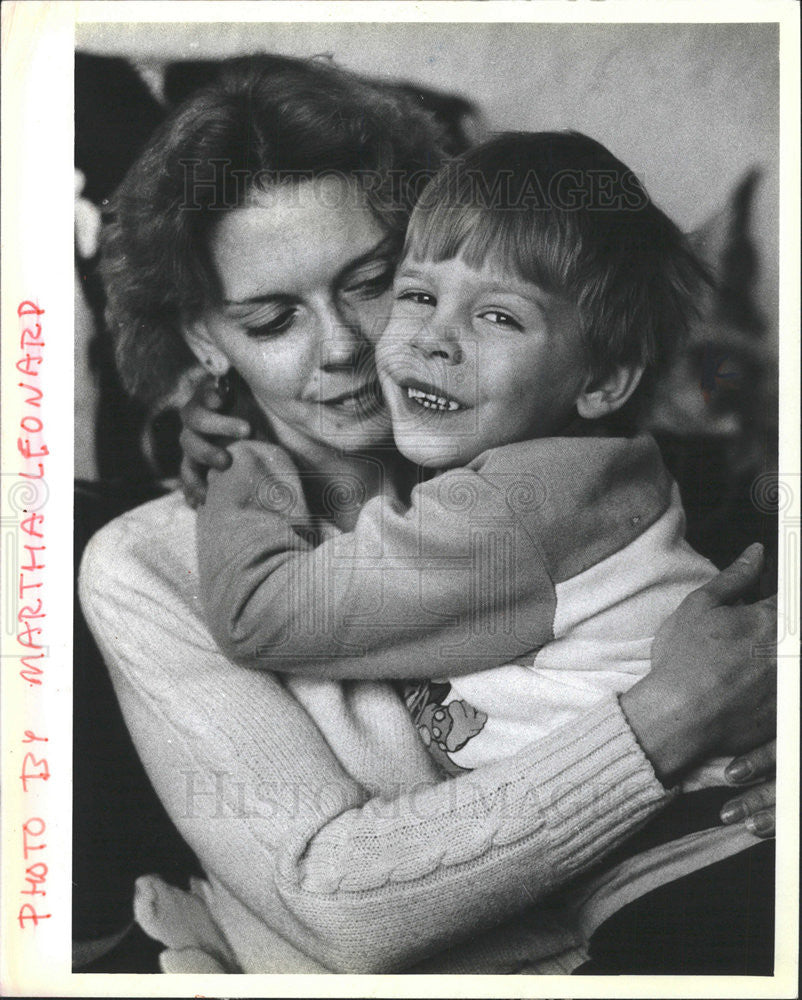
x=265 y=120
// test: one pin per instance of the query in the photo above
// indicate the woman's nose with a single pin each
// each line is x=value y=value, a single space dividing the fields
x=342 y=343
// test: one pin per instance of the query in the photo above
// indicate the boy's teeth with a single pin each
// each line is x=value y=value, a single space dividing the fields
x=430 y=401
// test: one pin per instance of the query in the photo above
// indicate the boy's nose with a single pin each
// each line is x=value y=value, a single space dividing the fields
x=441 y=343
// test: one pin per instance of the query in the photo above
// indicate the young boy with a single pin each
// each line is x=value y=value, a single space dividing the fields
x=525 y=581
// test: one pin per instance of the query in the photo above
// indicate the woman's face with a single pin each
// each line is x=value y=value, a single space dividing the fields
x=305 y=271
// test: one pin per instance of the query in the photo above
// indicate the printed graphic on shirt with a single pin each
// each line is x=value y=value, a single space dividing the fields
x=444 y=726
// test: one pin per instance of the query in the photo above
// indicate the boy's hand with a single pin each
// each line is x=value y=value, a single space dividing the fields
x=755 y=807
x=259 y=475
x=204 y=438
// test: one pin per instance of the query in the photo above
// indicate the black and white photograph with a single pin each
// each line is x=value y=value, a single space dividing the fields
x=428 y=499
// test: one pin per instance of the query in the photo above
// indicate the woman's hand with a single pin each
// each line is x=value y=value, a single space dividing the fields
x=204 y=438
x=710 y=692
x=756 y=807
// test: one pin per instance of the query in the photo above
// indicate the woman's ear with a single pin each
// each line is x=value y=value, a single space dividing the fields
x=204 y=348
x=603 y=396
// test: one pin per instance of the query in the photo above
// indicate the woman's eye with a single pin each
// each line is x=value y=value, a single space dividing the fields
x=370 y=285
x=501 y=319
x=417 y=298
x=279 y=324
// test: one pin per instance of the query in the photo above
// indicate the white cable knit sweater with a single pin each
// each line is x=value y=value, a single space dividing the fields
x=330 y=841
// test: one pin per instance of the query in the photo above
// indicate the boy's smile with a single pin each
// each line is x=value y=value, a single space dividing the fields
x=473 y=359
x=423 y=394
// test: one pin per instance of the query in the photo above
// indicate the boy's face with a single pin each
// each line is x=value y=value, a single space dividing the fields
x=474 y=359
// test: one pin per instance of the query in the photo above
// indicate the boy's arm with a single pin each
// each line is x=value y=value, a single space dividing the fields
x=451 y=585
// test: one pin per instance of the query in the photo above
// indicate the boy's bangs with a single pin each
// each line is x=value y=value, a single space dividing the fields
x=558 y=210
x=527 y=244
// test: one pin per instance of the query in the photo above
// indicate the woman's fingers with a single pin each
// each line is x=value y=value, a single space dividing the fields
x=762 y=824
x=758 y=763
x=713 y=684
x=731 y=583
x=755 y=808
x=715 y=597
x=756 y=805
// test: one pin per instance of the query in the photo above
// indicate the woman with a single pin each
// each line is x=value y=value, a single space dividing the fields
x=258 y=233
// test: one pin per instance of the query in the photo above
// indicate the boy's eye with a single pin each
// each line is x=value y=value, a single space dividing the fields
x=416 y=297
x=273 y=327
x=501 y=319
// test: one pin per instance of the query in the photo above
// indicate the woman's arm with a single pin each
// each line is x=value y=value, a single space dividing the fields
x=361 y=884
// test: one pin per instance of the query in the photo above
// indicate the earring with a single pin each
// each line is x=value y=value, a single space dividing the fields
x=222 y=386
x=222 y=380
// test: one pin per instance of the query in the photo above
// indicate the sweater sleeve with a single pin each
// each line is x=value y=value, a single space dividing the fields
x=452 y=584
x=360 y=883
